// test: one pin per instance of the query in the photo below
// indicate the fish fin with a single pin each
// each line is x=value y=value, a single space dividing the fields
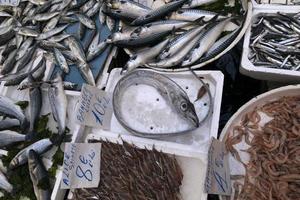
x=214 y=18
x=200 y=20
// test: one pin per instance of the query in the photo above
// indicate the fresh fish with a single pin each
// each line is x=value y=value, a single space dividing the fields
x=58 y=102
x=86 y=73
x=131 y=7
x=9 y=63
x=25 y=59
x=61 y=60
x=27 y=32
x=35 y=106
x=4 y=184
x=110 y=22
x=8 y=123
x=145 y=56
x=52 y=32
x=76 y=49
x=180 y=48
x=51 y=24
x=45 y=16
x=41 y=146
x=23 y=48
x=9 y=108
x=38 y=2
x=119 y=14
x=86 y=21
x=206 y=41
x=49 y=45
x=87 y=6
x=91 y=35
x=8 y=137
x=196 y=3
x=67 y=86
x=91 y=12
x=59 y=38
x=6 y=33
x=159 y=12
x=94 y=52
x=192 y=15
x=38 y=175
x=173 y=94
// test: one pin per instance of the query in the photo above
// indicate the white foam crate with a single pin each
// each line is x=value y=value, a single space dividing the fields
x=265 y=73
x=258 y=101
x=193 y=167
x=197 y=140
x=283 y=4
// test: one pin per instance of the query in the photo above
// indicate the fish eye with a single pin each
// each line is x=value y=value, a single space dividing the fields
x=183 y=106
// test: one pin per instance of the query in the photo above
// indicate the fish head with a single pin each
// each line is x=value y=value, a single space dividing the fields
x=133 y=63
x=186 y=109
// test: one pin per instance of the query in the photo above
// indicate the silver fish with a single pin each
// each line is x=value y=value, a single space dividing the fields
x=8 y=123
x=92 y=53
x=61 y=60
x=58 y=102
x=158 y=13
x=52 y=32
x=206 y=41
x=173 y=94
x=45 y=16
x=86 y=21
x=196 y=3
x=9 y=63
x=23 y=48
x=76 y=48
x=51 y=24
x=4 y=184
x=35 y=106
x=8 y=137
x=192 y=15
x=8 y=108
x=21 y=158
x=145 y=56
x=26 y=58
x=38 y=175
x=27 y=32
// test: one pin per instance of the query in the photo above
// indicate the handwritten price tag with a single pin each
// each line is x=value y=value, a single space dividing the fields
x=81 y=166
x=94 y=108
x=9 y=2
x=218 y=173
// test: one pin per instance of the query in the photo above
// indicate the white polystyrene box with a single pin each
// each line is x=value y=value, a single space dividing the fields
x=197 y=140
x=265 y=73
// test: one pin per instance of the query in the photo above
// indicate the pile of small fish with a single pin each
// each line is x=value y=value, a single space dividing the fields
x=15 y=117
x=275 y=41
x=172 y=35
x=128 y=172
x=41 y=26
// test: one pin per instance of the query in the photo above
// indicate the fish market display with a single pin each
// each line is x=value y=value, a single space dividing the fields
x=275 y=41
x=270 y=134
x=39 y=30
x=190 y=34
x=173 y=94
x=134 y=173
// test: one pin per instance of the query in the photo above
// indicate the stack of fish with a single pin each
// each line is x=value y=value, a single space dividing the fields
x=41 y=26
x=275 y=41
x=31 y=153
x=172 y=35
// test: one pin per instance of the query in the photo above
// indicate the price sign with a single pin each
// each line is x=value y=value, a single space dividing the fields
x=218 y=173
x=81 y=166
x=94 y=108
x=9 y=2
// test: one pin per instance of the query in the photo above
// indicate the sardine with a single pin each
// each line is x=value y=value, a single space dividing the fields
x=23 y=48
x=38 y=175
x=173 y=94
x=35 y=106
x=52 y=32
x=58 y=102
x=9 y=63
x=8 y=123
x=86 y=21
x=21 y=158
x=61 y=60
x=8 y=137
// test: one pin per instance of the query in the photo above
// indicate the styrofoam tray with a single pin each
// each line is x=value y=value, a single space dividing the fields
x=271 y=4
x=291 y=90
x=193 y=167
x=265 y=73
x=197 y=140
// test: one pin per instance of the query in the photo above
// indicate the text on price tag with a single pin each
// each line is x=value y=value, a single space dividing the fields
x=94 y=108
x=81 y=166
x=218 y=173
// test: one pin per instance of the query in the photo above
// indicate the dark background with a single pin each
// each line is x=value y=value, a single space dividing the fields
x=237 y=90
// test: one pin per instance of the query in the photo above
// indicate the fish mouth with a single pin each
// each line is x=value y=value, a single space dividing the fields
x=194 y=120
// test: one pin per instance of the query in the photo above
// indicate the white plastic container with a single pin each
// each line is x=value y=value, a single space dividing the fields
x=266 y=73
x=193 y=166
x=197 y=140
x=291 y=90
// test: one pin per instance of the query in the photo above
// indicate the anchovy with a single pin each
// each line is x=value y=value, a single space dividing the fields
x=8 y=137
x=27 y=32
x=76 y=48
x=41 y=146
x=38 y=175
x=93 y=11
x=159 y=12
x=23 y=48
x=58 y=103
x=51 y=24
x=86 y=21
x=45 y=16
x=173 y=94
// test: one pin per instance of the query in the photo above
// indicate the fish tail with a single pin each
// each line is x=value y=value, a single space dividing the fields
x=24 y=124
x=30 y=135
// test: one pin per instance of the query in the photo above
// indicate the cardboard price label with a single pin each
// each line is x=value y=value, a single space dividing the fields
x=81 y=166
x=9 y=2
x=218 y=173
x=94 y=108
